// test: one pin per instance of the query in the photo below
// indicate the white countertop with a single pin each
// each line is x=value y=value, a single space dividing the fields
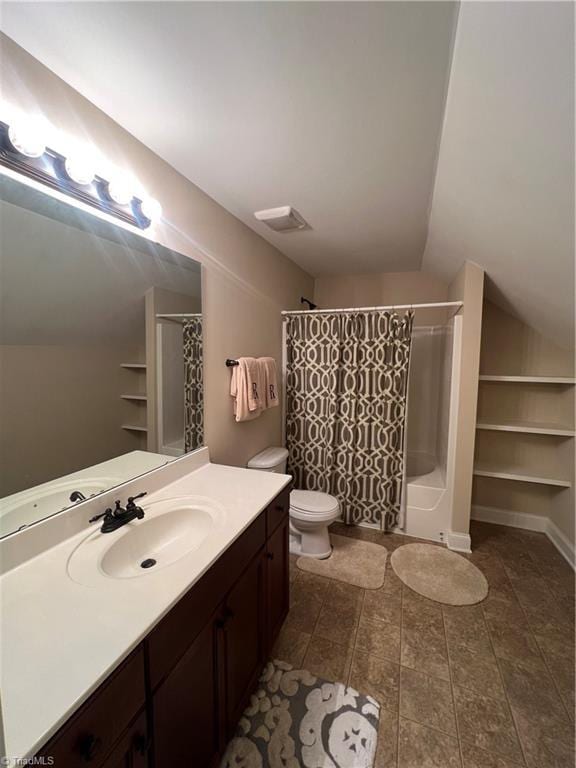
x=61 y=639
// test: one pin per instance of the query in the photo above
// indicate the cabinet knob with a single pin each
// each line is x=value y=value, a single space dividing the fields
x=90 y=746
x=270 y=555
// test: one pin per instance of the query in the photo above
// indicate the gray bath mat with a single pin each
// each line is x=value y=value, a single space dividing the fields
x=297 y=720
x=439 y=574
x=356 y=562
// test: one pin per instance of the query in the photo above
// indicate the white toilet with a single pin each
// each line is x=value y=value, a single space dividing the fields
x=311 y=512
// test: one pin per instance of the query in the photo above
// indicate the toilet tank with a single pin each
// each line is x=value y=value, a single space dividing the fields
x=270 y=460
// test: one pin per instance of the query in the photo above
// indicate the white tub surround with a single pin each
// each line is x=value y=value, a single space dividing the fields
x=431 y=435
x=61 y=638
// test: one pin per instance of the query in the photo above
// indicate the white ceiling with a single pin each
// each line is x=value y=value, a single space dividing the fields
x=334 y=108
x=337 y=108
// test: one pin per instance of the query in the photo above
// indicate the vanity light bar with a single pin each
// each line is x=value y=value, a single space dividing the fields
x=23 y=149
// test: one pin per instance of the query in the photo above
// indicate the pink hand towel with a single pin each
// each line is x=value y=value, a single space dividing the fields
x=244 y=388
x=255 y=384
x=270 y=381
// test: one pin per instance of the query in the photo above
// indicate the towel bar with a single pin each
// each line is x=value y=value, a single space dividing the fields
x=231 y=363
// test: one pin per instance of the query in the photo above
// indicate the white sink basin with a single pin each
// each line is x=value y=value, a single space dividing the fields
x=170 y=530
x=21 y=509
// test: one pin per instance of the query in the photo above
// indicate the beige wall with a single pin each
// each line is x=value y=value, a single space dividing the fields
x=247 y=282
x=509 y=347
x=385 y=288
x=59 y=413
x=467 y=286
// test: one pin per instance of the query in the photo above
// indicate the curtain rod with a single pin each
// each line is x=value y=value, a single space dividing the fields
x=432 y=305
x=177 y=317
x=179 y=314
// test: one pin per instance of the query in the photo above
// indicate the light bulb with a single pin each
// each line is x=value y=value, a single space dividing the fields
x=120 y=190
x=27 y=134
x=151 y=208
x=80 y=166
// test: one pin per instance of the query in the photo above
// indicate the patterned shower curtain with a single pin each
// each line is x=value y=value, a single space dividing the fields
x=346 y=388
x=193 y=385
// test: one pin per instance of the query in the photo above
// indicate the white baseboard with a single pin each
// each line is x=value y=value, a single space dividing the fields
x=508 y=517
x=528 y=522
x=458 y=542
x=461 y=542
x=561 y=542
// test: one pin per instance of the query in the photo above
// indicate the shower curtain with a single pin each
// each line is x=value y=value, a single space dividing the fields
x=346 y=387
x=193 y=384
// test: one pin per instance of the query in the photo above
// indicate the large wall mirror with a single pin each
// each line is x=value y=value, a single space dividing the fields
x=100 y=355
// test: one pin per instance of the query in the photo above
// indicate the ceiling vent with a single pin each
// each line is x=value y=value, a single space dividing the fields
x=284 y=219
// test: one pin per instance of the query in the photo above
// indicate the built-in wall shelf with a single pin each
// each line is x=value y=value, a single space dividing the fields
x=519 y=475
x=529 y=427
x=136 y=397
x=564 y=380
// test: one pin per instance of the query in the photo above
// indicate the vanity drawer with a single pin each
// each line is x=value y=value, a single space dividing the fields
x=90 y=735
x=277 y=511
x=168 y=642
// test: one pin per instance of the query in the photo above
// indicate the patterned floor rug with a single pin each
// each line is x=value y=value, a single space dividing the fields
x=297 y=720
x=354 y=561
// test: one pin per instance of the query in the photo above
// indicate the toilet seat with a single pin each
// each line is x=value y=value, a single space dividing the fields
x=313 y=505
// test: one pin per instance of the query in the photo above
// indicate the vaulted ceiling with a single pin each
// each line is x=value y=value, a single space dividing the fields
x=339 y=109
x=504 y=192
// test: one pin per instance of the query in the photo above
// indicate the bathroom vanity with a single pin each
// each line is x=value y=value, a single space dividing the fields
x=181 y=692
x=154 y=669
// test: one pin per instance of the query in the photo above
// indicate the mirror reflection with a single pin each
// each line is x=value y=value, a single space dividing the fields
x=100 y=355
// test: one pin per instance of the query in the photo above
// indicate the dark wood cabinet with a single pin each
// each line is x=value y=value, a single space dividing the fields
x=185 y=707
x=277 y=581
x=178 y=698
x=131 y=751
x=244 y=629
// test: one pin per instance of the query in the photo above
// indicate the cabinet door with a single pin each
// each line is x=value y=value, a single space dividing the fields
x=277 y=581
x=244 y=634
x=93 y=731
x=185 y=706
x=132 y=749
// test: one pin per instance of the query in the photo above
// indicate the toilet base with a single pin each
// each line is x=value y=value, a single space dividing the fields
x=314 y=544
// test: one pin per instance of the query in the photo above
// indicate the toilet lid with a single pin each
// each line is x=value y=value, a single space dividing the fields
x=313 y=502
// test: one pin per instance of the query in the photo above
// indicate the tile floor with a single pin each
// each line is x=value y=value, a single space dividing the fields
x=483 y=686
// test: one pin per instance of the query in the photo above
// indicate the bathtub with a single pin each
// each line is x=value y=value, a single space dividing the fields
x=419 y=465
x=175 y=448
x=426 y=508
